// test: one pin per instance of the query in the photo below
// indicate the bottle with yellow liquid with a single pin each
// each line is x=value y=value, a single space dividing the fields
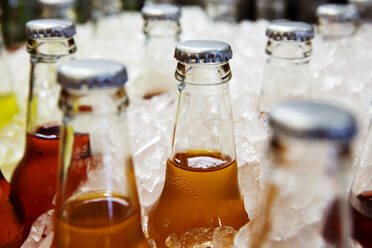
x=97 y=202
x=201 y=190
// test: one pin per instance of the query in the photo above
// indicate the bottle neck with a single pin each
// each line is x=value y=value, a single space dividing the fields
x=100 y=116
x=60 y=12
x=291 y=52
x=204 y=116
x=162 y=29
x=46 y=55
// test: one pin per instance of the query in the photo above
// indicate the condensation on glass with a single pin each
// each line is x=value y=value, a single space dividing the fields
x=310 y=175
x=337 y=20
x=201 y=190
x=97 y=199
x=286 y=71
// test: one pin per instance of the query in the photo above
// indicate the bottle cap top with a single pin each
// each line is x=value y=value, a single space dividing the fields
x=92 y=74
x=203 y=52
x=57 y=3
x=313 y=120
x=289 y=30
x=47 y=28
x=338 y=12
x=161 y=12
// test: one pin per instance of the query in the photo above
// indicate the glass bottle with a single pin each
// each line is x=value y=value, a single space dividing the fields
x=34 y=179
x=59 y=9
x=286 y=72
x=222 y=10
x=162 y=29
x=97 y=202
x=310 y=171
x=365 y=8
x=201 y=190
x=104 y=8
x=337 y=20
x=12 y=230
x=361 y=197
x=271 y=10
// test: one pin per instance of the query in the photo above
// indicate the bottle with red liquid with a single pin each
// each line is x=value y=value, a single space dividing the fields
x=34 y=180
x=12 y=229
x=101 y=209
x=310 y=166
x=361 y=197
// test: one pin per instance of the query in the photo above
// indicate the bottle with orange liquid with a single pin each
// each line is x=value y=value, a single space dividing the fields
x=101 y=210
x=201 y=190
x=34 y=179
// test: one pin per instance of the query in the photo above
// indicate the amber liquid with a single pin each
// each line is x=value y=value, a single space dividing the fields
x=201 y=190
x=34 y=180
x=99 y=221
x=12 y=231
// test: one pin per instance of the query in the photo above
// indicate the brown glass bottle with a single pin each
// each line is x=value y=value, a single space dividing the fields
x=99 y=209
x=34 y=179
x=201 y=185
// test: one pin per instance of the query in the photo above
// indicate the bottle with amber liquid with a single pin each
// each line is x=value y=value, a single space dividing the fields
x=201 y=190
x=162 y=29
x=34 y=179
x=286 y=71
x=100 y=208
x=310 y=176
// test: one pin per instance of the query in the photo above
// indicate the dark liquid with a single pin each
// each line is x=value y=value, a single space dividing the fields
x=34 y=180
x=201 y=190
x=12 y=231
x=99 y=221
x=362 y=218
x=361 y=214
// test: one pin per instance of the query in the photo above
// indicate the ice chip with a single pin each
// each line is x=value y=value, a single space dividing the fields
x=223 y=237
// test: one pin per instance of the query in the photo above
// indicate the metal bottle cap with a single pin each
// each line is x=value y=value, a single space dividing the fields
x=289 y=30
x=57 y=3
x=92 y=74
x=203 y=52
x=313 y=120
x=161 y=12
x=338 y=12
x=47 y=28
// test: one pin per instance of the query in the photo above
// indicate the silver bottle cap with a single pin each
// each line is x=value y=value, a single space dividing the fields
x=338 y=12
x=92 y=74
x=313 y=120
x=161 y=12
x=203 y=52
x=57 y=3
x=288 y=30
x=47 y=28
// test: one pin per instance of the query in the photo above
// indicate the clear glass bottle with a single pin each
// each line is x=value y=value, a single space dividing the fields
x=337 y=20
x=286 y=72
x=271 y=10
x=310 y=174
x=97 y=202
x=162 y=29
x=34 y=179
x=59 y=9
x=361 y=196
x=222 y=10
x=201 y=190
x=365 y=8
x=104 y=8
